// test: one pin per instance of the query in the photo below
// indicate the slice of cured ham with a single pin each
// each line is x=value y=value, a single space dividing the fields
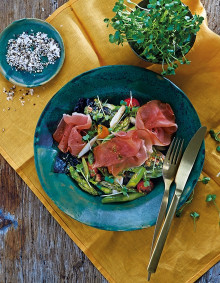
x=158 y=119
x=68 y=132
x=123 y=151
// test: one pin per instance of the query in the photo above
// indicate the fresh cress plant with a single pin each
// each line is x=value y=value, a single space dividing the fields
x=162 y=31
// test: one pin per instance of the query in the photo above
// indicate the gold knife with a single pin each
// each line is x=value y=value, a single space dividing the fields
x=185 y=167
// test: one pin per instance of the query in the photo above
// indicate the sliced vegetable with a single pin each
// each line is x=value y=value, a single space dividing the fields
x=132 y=120
x=135 y=179
x=92 y=171
x=85 y=168
x=102 y=131
x=123 y=125
x=144 y=186
x=87 y=147
x=132 y=102
x=116 y=118
x=122 y=198
x=102 y=188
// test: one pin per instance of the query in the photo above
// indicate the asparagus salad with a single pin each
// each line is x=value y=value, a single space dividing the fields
x=111 y=150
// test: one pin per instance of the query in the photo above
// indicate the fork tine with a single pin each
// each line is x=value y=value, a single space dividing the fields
x=180 y=153
x=175 y=151
x=167 y=157
x=175 y=148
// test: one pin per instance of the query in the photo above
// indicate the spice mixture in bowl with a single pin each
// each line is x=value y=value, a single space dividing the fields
x=33 y=52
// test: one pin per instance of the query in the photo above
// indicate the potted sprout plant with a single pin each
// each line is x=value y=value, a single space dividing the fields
x=159 y=31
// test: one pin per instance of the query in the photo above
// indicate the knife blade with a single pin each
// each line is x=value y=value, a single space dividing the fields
x=183 y=172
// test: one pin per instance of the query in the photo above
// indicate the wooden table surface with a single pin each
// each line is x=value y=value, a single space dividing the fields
x=33 y=247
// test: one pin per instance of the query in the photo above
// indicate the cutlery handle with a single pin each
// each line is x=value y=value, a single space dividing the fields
x=154 y=260
x=161 y=214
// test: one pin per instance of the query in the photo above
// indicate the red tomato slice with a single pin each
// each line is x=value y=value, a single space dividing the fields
x=132 y=102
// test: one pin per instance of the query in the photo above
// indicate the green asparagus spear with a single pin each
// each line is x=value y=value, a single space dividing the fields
x=85 y=168
x=91 y=158
x=102 y=188
x=123 y=125
x=81 y=182
x=122 y=198
x=116 y=187
x=135 y=179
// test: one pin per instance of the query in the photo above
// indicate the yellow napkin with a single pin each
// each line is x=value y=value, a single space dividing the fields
x=123 y=256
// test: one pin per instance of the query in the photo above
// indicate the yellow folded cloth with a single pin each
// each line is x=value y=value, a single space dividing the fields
x=123 y=256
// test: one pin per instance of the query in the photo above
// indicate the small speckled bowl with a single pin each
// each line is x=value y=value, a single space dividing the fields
x=24 y=78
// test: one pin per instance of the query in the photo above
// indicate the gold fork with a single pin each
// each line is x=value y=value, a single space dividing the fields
x=170 y=166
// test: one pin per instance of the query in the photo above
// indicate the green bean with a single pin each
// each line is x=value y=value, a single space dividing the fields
x=81 y=182
x=135 y=179
x=122 y=198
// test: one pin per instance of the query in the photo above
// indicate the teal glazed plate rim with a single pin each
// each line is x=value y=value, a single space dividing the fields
x=24 y=78
x=113 y=83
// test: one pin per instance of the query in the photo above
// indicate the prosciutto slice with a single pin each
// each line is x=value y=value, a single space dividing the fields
x=68 y=133
x=155 y=124
x=125 y=150
x=158 y=119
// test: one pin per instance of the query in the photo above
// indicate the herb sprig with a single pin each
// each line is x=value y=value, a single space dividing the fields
x=204 y=180
x=194 y=215
x=216 y=137
x=212 y=198
x=162 y=32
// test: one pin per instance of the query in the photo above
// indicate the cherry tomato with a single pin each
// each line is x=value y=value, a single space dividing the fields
x=92 y=171
x=142 y=188
x=132 y=102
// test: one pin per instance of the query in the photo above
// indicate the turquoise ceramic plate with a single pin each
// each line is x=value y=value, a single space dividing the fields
x=24 y=78
x=113 y=83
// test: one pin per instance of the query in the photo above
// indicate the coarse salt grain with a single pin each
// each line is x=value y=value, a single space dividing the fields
x=32 y=52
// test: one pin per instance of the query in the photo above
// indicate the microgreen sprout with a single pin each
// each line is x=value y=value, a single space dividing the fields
x=212 y=198
x=162 y=32
x=194 y=215
x=86 y=137
x=80 y=169
x=216 y=137
x=204 y=180
x=179 y=211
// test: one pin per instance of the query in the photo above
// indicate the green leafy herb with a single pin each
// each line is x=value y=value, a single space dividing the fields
x=86 y=137
x=179 y=211
x=124 y=190
x=147 y=183
x=212 y=198
x=79 y=167
x=218 y=148
x=205 y=180
x=122 y=102
x=214 y=135
x=109 y=179
x=194 y=215
x=162 y=32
